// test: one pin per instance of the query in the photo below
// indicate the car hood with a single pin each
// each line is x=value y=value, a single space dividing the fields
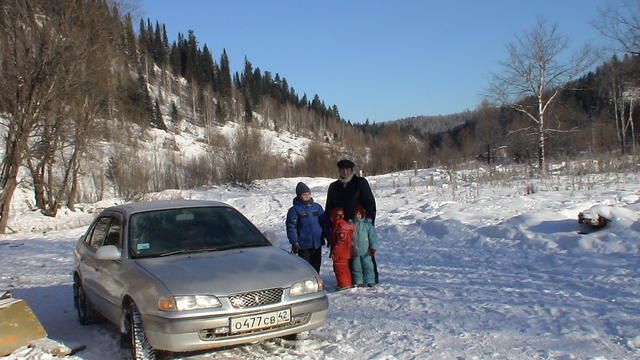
x=227 y=272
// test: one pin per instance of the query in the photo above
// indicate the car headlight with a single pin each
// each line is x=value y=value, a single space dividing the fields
x=306 y=287
x=188 y=302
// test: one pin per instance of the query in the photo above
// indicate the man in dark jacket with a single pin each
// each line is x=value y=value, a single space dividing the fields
x=349 y=191
x=305 y=229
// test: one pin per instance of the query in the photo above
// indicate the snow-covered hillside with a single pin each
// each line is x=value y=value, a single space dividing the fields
x=155 y=149
x=476 y=272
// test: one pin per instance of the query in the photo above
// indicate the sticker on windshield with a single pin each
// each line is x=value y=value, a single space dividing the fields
x=143 y=246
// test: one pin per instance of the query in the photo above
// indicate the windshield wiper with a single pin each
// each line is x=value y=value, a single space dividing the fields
x=241 y=246
x=187 y=251
x=217 y=248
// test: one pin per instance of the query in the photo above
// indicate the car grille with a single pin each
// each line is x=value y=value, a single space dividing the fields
x=256 y=298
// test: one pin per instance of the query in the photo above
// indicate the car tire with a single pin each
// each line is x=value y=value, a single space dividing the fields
x=140 y=347
x=86 y=314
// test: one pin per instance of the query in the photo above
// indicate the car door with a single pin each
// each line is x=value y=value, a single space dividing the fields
x=111 y=278
x=88 y=264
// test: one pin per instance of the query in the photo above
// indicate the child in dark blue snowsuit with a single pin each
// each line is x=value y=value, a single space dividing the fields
x=305 y=229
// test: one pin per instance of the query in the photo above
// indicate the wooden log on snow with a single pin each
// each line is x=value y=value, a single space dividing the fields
x=596 y=220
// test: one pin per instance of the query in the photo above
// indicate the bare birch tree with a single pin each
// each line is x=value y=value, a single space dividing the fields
x=534 y=74
x=33 y=74
x=621 y=23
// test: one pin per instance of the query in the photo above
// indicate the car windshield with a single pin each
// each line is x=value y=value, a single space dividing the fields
x=187 y=230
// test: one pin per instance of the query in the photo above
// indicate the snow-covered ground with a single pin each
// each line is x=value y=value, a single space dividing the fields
x=476 y=271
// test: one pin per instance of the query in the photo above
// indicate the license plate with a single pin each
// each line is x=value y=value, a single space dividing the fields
x=260 y=321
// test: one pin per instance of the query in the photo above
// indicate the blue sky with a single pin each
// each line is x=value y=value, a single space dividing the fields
x=376 y=60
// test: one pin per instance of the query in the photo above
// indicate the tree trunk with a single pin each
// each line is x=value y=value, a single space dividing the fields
x=37 y=174
x=541 y=159
x=10 y=183
x=633 y=130
x=52 y=210
x=71 y=201
x=15 y=148
x=169 y=80
x=7 y=196
x=623 y=130
x=489 y=154
x=616 y=114
x=71 y=176
x=194 y=93
x=51 y=197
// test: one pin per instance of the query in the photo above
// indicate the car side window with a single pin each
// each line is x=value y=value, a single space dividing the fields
x=99 y=232
x=113 y=235
x=87 y=237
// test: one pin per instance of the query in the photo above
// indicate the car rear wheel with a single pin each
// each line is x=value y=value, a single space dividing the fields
x=140 y=347
x=86 y=314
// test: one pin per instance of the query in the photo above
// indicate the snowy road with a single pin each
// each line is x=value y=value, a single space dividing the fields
x=489 y=273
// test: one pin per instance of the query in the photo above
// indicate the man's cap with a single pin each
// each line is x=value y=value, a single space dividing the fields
x=345 y=163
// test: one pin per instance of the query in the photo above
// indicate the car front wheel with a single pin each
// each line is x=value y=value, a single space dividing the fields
x=140 y=347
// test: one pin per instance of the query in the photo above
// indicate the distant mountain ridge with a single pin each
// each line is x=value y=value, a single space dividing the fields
x=425 y=124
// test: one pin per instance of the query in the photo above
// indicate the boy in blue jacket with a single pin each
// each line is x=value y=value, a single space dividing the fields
x=305 y=228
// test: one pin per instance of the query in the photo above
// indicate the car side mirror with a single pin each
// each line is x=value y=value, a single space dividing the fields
x=271 y=236
x=108 y=252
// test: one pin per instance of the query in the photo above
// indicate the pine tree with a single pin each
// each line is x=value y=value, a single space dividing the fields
x=221 y=114
x=129 y=39
x=284 y=89
x=248 y=111
x=256 y=88
x=143 y=99
x=149 y=37
x=225 y=75
x=236 y=80
x=174 y=114
x=157 y=120
x=182 y=53
x=174 y=59
x=267 y=83
x=142 y=36
x=247 y=85
x=276 y=90
x=158 y=52
x=316 y=105
x=247 y=75
x=334 y=112
x=207 y=66
x=192 y=70
x=165 y=38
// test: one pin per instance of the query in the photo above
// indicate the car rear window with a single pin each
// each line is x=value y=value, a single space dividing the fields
x=164 y=232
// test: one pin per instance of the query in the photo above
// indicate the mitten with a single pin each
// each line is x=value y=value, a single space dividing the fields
x=372 y=252
x=294 y=248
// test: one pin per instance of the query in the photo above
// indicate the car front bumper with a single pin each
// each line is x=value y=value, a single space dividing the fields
x=184 y=334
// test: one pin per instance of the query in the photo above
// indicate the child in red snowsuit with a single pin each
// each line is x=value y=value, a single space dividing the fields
x=341 y=247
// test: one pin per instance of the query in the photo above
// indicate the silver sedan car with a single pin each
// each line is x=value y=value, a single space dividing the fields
x=180 y=276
